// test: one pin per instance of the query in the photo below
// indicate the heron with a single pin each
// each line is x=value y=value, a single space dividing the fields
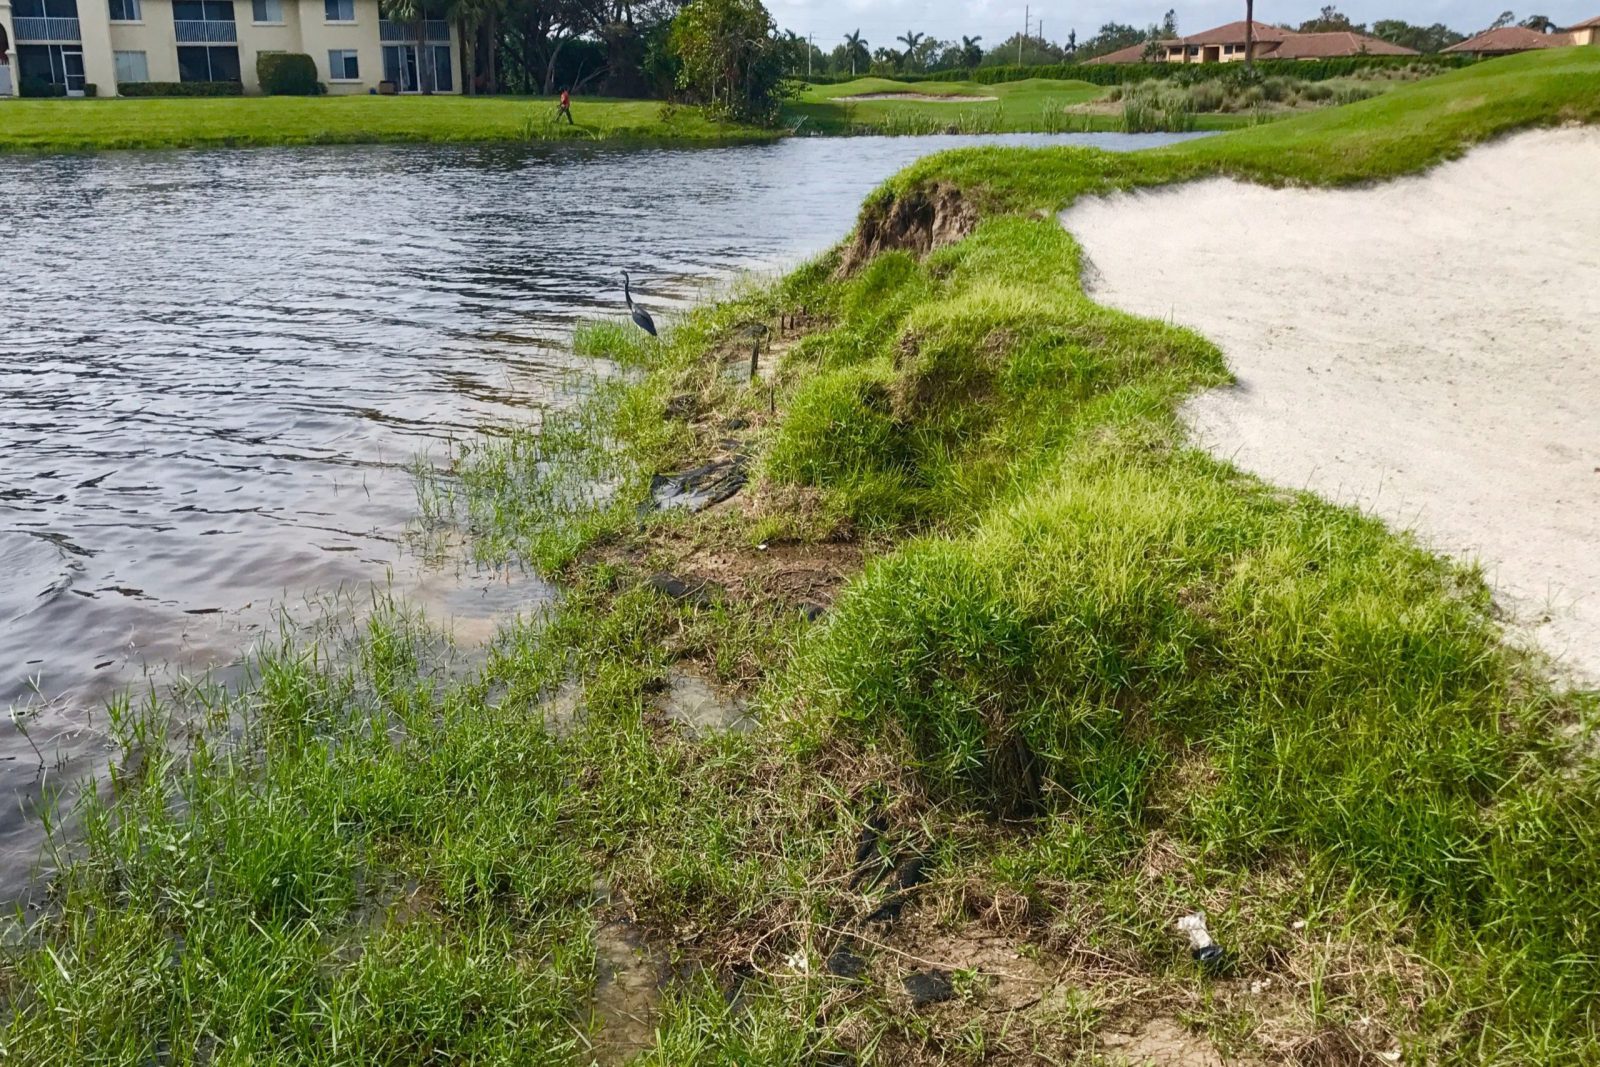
x=641 y=317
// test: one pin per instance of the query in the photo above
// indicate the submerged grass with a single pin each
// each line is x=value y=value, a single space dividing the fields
x=1096 y=678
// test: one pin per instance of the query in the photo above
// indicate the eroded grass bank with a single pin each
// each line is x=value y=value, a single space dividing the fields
x=1033 y=678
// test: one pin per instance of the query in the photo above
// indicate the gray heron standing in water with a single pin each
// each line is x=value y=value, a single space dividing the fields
x=641 y=317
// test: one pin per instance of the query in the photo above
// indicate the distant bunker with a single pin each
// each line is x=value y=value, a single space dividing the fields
x=927 y=98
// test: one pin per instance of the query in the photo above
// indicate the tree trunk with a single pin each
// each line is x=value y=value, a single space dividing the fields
x=550 y=68
x=1249 y=34
x=492 y=65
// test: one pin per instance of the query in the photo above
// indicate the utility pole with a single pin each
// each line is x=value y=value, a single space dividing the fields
x=810 y=46
x=1024 y=37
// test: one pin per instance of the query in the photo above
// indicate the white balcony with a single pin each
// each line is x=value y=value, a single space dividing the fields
x=205 y=31
x=390 y=32
x=46 y=31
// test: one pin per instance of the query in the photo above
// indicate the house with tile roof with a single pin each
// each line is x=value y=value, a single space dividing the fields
x=1226 y=44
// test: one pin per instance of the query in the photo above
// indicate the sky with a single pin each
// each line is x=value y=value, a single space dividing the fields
x=880 y=21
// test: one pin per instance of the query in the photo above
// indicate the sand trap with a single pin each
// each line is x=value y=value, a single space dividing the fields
x=927 y=98
x=1428 y=349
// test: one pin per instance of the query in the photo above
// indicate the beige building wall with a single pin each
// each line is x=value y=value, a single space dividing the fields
x=8 y=79
x=94 y=24
x=320 y=36
x=152 y=35
x=304 y=27
x=258 y=37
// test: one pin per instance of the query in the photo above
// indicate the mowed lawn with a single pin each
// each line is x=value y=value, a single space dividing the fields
x=1032 y=105
x=280 y=120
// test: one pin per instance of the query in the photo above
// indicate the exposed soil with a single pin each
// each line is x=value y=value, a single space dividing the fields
x=916 y=221
x=1423 y=349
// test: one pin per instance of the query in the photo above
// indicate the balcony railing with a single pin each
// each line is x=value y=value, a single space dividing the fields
x=43 y=30
x=390 y=32
x=205 y=31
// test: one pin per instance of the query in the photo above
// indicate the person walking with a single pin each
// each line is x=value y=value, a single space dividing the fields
x=565 y=108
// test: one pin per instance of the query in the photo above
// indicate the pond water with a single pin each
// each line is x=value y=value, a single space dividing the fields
x=216 y=368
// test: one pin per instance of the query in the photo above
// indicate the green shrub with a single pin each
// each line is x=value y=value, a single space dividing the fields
x=1350 y=94
x=1278 y=89
x=90 y=89
x=38 y=87
x=181 y=89
x=287 y=74
x=1206 y=96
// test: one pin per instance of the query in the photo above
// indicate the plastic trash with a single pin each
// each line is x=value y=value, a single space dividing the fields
x=1201 y=947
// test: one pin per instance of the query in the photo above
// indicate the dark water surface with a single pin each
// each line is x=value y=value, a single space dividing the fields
x=216 y=367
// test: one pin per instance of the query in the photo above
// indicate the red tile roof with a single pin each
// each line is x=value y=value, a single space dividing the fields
x=1233 y=33
x=1336 y=43
x=1134 y=53
x=1510 y=39
x=1586 y=24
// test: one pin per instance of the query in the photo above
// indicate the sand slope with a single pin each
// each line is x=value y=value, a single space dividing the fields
x=1428 y=349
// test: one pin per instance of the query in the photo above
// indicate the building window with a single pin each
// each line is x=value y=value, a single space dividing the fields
x=126 y=11
x=339 y=10
x=45 y=9
x=208 y=64
x=270 y=11
x=131 y=67
x=343 y=65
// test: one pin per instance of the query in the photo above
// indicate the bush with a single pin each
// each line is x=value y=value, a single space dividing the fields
x=38 y=87
x=1206 y=96
x=1350 y=94
x=91 y=89
x=287 y=74
x=181 y=89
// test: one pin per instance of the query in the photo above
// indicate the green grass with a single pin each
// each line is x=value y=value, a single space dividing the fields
x=1098 y=677
x=57 y=125
x=1034 y=105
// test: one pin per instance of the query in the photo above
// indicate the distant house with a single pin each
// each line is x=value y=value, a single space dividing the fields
x=1226 y=44
x=1508 y=39
x=1585 y=32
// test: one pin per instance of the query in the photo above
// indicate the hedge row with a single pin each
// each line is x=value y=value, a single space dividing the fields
x=1118 y=73
x=181 y=89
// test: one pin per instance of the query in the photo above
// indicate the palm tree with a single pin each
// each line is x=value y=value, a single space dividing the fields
x=971 y=54
x=911 y=39
x=855 y=47
x=1249 y=34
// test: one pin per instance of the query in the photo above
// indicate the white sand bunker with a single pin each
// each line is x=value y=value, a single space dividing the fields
x=927 y=98
x=1428 y=349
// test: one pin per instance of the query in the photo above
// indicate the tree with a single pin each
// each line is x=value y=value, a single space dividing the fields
x=731 y=57
x=1112 y=36
x=856 y=48
x=971 y=51
x=1071 y=47
x=1433 y=38
x=910 y=39
x=1506 y=18
x=1540 y=23
x=1169 y=24
x=1331 y=19
x=1034 y=51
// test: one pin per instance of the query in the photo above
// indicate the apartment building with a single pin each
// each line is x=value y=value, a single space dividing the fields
x=110 y=43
